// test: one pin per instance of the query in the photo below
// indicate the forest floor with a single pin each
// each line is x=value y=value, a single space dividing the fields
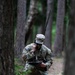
x=57 y=67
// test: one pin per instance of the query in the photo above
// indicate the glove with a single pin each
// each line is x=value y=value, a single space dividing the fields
x=41 y=67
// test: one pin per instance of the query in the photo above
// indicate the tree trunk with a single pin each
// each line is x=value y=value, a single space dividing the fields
x=30 y=19
x=1 y=30
x=59 y=28
x=50 y=4
x=44 y=9
x=41 y=27
x=20 y=32
x=7 y=44
x=70 y=52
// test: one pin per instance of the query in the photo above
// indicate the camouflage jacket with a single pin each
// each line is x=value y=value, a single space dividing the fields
x=44 y=52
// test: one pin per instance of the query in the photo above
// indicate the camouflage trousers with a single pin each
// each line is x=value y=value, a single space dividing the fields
x=33 y=70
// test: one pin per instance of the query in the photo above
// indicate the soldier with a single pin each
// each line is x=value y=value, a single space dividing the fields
x=37 y=56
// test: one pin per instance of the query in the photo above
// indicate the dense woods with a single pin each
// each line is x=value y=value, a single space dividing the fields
x=21 y=20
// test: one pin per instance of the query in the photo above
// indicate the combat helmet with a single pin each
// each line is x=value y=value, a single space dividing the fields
x=39 y=38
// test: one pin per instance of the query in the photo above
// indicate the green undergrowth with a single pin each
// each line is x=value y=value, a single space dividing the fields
x=19 y=68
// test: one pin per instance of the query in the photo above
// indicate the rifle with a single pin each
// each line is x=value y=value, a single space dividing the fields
x=36 y=63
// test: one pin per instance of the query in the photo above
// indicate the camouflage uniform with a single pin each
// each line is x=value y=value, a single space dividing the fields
x=43 y=52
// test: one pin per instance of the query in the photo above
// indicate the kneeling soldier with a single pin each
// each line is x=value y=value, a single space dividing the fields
x=37 y=56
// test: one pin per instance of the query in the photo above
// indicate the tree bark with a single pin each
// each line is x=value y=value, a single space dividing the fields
x=20 y=32
x=50 y=4
x=70 y=52
x=59 y=28
x=7 y=39
x=30 y=19
x=1 y=30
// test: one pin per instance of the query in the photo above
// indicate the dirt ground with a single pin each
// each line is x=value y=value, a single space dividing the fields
x=57 y=67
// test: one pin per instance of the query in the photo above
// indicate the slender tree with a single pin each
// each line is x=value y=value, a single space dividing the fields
x=30 y=19
x=20 y=32
x=41 y=27
x=59 y=27
x=50 y=4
